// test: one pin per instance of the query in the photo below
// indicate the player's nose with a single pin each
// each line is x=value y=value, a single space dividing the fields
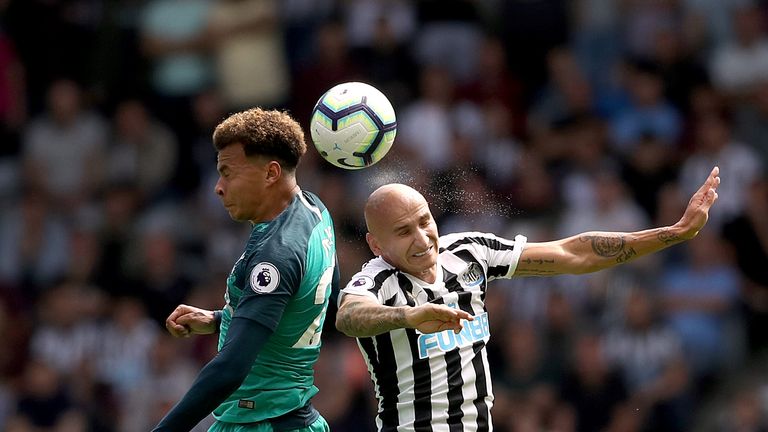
x=219 y=188
x=422 y=238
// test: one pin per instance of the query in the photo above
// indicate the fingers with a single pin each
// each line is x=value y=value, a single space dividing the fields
x=714 y=178
x=175 y=328
x=446 y=313
x=451 y=317
x=464 y=315
x=712 y=184
x=711 y=195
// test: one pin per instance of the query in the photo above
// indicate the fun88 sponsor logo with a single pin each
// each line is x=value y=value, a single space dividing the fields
x=471 y=332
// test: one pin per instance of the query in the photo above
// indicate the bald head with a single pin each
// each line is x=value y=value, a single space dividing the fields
x=401 y=230
x=385 y=199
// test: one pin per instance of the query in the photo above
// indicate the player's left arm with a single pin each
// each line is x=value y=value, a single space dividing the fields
x=593 y=251
x=271 y=284
x=220 y=377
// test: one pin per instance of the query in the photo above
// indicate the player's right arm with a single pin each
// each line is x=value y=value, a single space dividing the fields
x=220 y=377
x=187 y=320
x=593 y=251
x=362 y=316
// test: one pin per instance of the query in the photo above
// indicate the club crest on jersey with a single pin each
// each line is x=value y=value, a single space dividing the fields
x=473 y=276
x=264 y=278
x=363 y=282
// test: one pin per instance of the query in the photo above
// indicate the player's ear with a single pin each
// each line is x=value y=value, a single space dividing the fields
x=274 y=171
x=373 y=244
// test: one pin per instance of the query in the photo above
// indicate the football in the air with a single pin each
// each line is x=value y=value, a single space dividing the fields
x=353 y=125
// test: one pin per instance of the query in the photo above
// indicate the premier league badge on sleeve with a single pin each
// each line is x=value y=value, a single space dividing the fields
x=362 y=283
x=264 y=278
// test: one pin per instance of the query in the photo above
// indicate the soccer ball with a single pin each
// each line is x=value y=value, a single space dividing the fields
x=353 y=125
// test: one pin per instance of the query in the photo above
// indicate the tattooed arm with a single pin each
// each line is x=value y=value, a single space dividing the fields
x=594 y=251
x=360 y=316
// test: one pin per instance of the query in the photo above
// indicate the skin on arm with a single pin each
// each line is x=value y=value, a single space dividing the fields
x=594 y=251
x=360 y=316
x=188 y=320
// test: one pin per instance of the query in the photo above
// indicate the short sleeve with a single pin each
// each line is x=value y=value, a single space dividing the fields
x=499 y=255
x=271 y=280
x=370 y=282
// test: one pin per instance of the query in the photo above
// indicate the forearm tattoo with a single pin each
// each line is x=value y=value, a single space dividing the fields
x=538 y=261
x=666 y=236
x=359 y=319
x=613 y=246
x=536 y=271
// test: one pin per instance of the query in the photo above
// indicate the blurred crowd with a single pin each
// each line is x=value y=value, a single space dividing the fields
x=538 y=117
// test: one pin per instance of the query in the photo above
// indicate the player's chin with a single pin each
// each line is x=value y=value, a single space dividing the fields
x=235 y=215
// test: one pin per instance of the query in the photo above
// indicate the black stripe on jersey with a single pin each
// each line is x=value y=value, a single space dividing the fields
x=391 y=301
x=451 y=281
x=379 y=279
x=481 y=386
x=405 y=284
x=497 y=271
x=453 y=358
x=455 y=394
x=382 y=360
x=422 y=391
x=485 y=241
x=493 y=272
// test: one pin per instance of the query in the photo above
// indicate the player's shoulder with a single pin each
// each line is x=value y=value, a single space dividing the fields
x=464 y=237
x=306 y=208
x=375 y=267
x=372 y=277
x=286 y=236
x=311 y=201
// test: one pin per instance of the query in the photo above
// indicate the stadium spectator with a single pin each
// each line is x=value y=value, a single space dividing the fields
x=173 y=38
x=247 y=43
x=143 y=151
x=649 y=355
x=63 y=149
x=698 y=297
x=648 y=112
x=739 y=65
x=750 y=122
x=593 y=386
x=715 y=141
x=34 y=247
x=748 y=237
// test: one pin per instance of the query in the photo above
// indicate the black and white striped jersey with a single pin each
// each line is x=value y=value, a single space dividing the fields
x=439 y=381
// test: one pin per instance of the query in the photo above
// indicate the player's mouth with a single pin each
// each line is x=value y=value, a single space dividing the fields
x=421 y=254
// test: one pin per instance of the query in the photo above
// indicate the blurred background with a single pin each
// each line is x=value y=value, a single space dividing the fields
x=537 y=117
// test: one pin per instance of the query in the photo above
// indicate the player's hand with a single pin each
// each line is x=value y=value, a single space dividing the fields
x=188 y=320
x=434 y=318
x=697 y=212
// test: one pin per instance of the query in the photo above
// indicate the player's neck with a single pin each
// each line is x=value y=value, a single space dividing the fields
x=429 y=276
x=277 y=200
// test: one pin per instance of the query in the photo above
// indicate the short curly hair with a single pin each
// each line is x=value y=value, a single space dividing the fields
x=270 y=133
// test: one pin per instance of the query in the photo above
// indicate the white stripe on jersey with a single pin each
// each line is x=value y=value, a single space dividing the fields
x=311 y=207
x=405 y=409
x=443 y=381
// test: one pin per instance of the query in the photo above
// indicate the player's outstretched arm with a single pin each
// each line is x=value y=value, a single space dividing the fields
x=360 y=316
x=594 y=251
x=187 y=320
